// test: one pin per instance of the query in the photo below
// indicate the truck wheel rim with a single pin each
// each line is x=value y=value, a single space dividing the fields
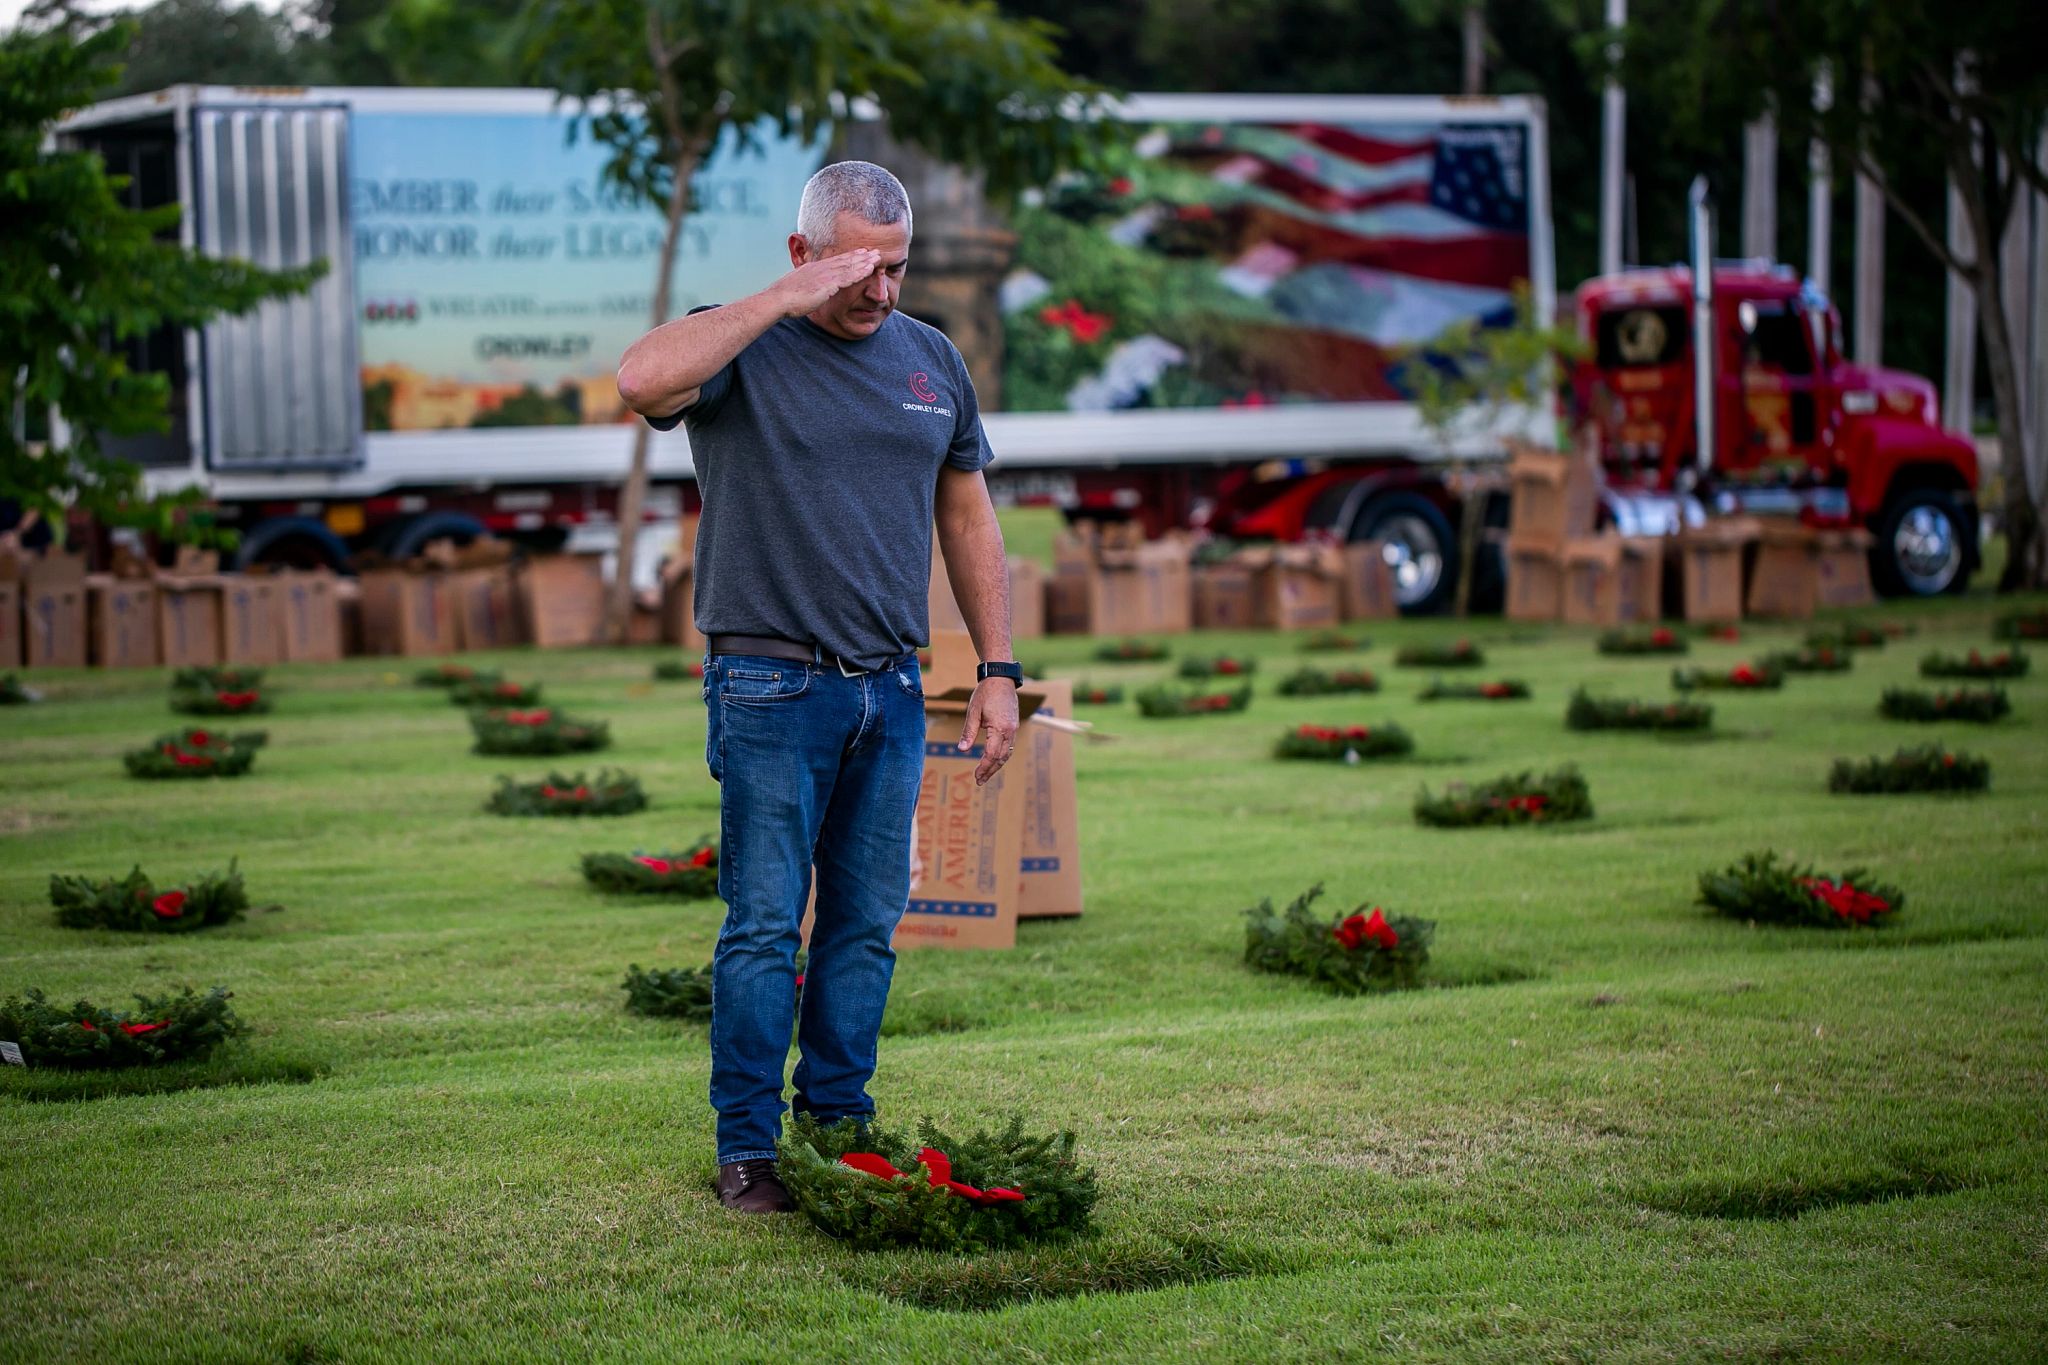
x=1927 y=549
x=1414 y=556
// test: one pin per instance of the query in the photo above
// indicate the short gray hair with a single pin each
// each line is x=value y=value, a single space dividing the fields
x=861 y=188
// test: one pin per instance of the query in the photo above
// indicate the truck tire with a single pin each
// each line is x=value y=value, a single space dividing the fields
x=402 y=539
x=1422 y=549
x=294 y=542
x=1926 y=544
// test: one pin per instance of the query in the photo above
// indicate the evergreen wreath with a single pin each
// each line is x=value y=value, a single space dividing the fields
x=682 y=992
x=85 y=1037
x=451 y=675
x=1218 y=666
x=1760 y=676
x=1518 y=799
x=1346 y=744
x=1502 y=689
x=1761 y=888
x=200 y=701
x=875 y=1187
x=669 y=992
x=609 y=793
x=1658 y=640
x=677 y=670
x=1095 y=694
x=542 y=731
x=1588 y=712
x=1131 y=652
x=209 y=678
x=134 y=903
x=194 y=752
x=14 y=693
x=493 y=691
x=1315 y=682
x=1926 y=768
x=693 y=873
x=2006 y=663
x=1825 y=658
x=1460 y=654
x=2021 y=625
x=1349 y=954
x=1164 y=699
x=1848 y=637
x=1981 y=705
x=1333 y=642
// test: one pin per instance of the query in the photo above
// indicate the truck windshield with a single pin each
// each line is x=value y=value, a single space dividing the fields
x=1641 y=336
x=1778 y=341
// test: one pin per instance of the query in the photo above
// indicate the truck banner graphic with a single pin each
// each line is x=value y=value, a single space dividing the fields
x=499 y=279
x=1244 y=264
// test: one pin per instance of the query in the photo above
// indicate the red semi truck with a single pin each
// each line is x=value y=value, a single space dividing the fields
x=1216 y=335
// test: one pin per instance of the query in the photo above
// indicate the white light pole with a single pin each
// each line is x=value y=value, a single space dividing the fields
x=1820 y=191
x=1613 y=135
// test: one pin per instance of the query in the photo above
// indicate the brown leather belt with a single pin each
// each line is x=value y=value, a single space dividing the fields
x=773 y=647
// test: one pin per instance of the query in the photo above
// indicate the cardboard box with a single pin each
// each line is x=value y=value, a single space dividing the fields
x=1710 y=569
x=1223 y=597
x=407 y=611
x=563 y=600
x=188 y=621
x=679 y=611
x=967 y=883
x=943 y=609
x=969 y=839
x=1050 y=854
x=308 y=617
x=1612 y=580
x=10 y=624
x=1146 y=589
x=1554 y=496
x=1027 y=599
x=121 y=621
x=1798 y=569
x=1784 y=576
x=1535 y=587
x=1111 y=581
x=485 y=604
x=1294 y=587
x=249 y=624
x=1845 y=569
x=53 y=611
x=1066 y=603
x=1367 y=591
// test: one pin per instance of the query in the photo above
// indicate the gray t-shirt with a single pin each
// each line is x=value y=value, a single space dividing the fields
x=817 y=460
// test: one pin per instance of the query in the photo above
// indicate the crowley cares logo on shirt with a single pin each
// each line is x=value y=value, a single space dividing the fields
x=927 y=396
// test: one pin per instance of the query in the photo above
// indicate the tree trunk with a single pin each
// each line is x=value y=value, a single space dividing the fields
x=2026 y=564
x=633 y=493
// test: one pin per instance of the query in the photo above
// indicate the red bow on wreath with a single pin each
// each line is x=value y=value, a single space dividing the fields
x=1356 y=929
x=941 y=1167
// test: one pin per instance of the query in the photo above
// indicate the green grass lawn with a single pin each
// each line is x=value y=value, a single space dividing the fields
x=1617 y=1127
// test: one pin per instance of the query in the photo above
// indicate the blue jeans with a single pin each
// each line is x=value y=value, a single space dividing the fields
x=822 y=769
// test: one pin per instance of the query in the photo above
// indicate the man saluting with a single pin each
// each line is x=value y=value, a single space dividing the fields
x=829 y=431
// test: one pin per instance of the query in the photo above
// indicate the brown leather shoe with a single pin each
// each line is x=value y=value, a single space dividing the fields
x=752 y=1187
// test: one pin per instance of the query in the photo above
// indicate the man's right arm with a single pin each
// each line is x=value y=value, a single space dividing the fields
x=663 y=372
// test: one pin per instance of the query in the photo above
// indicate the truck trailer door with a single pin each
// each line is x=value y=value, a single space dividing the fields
x=281 y=389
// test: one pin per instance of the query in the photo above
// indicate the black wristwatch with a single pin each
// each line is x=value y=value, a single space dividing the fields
x=1014 y=672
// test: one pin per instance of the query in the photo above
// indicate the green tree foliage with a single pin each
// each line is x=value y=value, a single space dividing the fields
x=210 y=42
x=80 y=276
x=953 y=77
x=1919 y=85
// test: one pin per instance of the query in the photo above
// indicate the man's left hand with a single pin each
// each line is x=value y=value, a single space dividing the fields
x=993 y=709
